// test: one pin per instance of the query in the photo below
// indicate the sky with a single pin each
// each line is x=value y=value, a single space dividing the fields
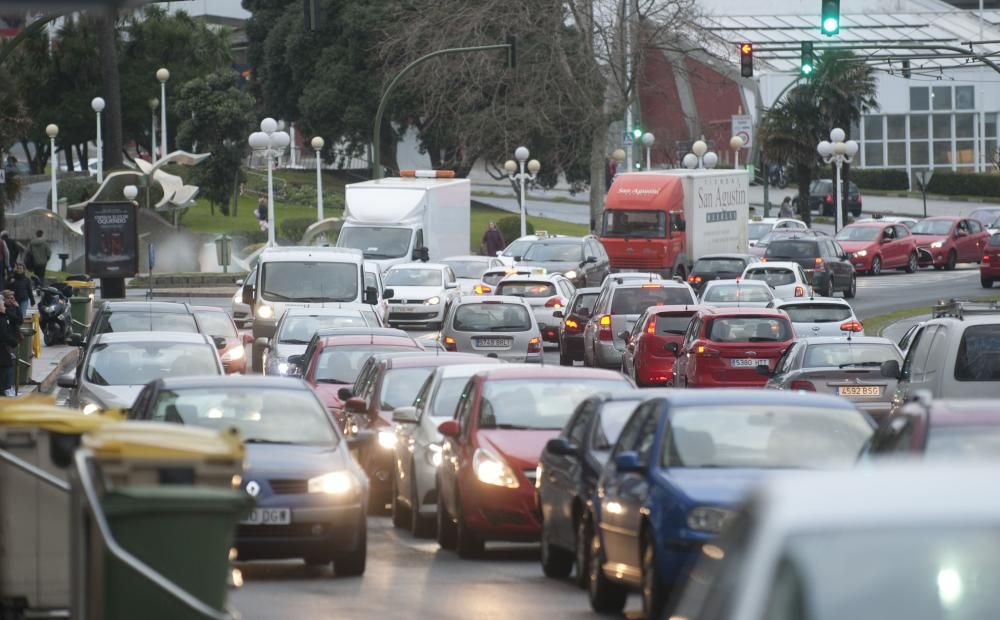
x=220 y=8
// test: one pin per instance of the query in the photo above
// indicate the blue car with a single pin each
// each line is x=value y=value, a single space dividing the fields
x=683 y=462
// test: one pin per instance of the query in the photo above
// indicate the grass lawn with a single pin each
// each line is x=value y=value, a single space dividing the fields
x=874 y=325
x=482 y=215
x=200 y=219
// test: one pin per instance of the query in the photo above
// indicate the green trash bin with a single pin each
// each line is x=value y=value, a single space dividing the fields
x=25 y=353
x=81 y=305
x=183 y=532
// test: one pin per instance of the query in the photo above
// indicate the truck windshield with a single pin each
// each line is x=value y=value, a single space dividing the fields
x=632 y=224
x=309 y=282
x=376 y=241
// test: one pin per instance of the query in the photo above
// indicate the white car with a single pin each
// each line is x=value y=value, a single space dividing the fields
x=631 y=276
x=421 y=293
x=737 y=294
x=821 y=316
x=761 y=226
x=786 y=279
x=241 y=311
x=546 y=294
x=492 y=277
x=516 y=249
x=469 y=270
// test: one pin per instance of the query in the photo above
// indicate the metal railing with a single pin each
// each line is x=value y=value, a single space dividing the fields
x=35 y=471
x=959 y=308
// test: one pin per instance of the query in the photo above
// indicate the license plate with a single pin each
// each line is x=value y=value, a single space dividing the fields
x=493 y=343
x=405 y=309
x=269 y=516
x=746 y=363
x=860 y=390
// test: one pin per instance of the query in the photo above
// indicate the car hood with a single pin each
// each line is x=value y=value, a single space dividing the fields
x=415 y=292
x=112 y=396
x=293 y=460
x=929 y=239
x=328 y=394
x=520 y=448
x=284 y=350
x=716 y=486
x=855 y=246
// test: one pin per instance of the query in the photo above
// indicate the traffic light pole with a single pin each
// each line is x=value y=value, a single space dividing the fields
x=961 y=52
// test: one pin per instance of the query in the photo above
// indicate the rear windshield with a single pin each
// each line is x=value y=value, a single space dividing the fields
x=492 y=317
x=636 y=300
x=557 y=252
x=964 y=442
x=790 y=248
x=978 y=356
x=774 y=276
x=719 y=265
x=749 y=329
x=932 y=227
x=995 y=240
x=758 y=230
x=847 y=354
x=584 y=301
x=640 y=224
x=147 y=322
x=735 y=292
x=673 y=323
x=817 y=313
x=526 y=289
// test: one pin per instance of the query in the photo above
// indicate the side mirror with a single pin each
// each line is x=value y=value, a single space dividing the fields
x=262 y=342
x=623 y=335
x=360 y=439
x=673 y=347
x=451 y=285
x=76 y=340
x=557 y=314
x=295 y=360
x=628 y=463
x=67 y=380
x=406 y=415
x=371 y=296
x=220 y=342
x=449 y=428
x=388 y=293
x=763 y=370
x=681 y=226
x=240 y=282
x=345 y=393
x=499 y=252
x=355 y=405
x=247 y=338
x=517 y=259
x=249 y=292
x=590 y=259
x=561 y=447
x=890 y=369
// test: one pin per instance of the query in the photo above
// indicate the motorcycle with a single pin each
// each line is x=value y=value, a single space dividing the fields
x=776 y=176
x=54 y=316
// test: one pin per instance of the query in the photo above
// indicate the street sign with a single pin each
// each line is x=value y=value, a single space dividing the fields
x=743 y=127
x=923 y=178
x=627 y=138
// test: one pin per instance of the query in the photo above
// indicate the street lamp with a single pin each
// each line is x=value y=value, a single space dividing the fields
x=838 y=152
x=98 y=106
x=52 y=131
x=700 y=157
x=130 y=191
x=515 y=171
x=647 y=141
x=317 y=144
x=736 y=143
x=271 y=143
x=153 y=104
x=163 y=75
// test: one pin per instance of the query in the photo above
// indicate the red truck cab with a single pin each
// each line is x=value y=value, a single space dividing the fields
x=643 y=225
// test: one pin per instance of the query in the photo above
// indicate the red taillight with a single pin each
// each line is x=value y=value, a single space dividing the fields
x=828 y=198
x=651 y=326
x=482 y=289
x=534 y=345
x=799 y=291
x=802 y=386
x=986 y=258
x=851 y=326
x=820 y=266
x=450 y=344
x=554 y=302
x=604 y=328
x=694 y=279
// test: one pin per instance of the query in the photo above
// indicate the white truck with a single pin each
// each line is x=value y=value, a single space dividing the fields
x=403 y=219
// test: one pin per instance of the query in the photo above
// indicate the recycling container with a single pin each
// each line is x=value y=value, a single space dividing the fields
x=25 y=354
x=81 y=305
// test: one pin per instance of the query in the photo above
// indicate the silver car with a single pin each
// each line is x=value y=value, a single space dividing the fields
x=495 y=326
x=737 y=294
x=418 y=445
x=295 y=329
x=241 y=311
x=821 y=316
x=849 y=368
x=422 y=293
x=546 y=294
x=469 y=270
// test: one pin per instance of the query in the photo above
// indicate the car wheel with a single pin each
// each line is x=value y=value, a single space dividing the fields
x=986 y=282
x=352 y=564
x=317 y=562
x=876 y=266
x=653 y=592
x=565 y=359
x=851 y=290
x=912 y=263
x=952 y=259
x=605 y=595
x=420 y=526
x=938 y=267
x=445 y=525
x=557 y=563
x=467 y=544
x=398 y=510
x=582 y=559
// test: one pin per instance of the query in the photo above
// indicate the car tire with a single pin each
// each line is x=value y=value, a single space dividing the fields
x=467 y=544
x=557 y=563
x=876 y=266
x=654 y=594
x=352 y=564
x=912 y=263
x=445 y=525
x=565 y=359
x=581 y=561
x=986 y=282
x=420 y=526
x=605 y=595
x=852 y=289
x=399 y=516
x=952 y=259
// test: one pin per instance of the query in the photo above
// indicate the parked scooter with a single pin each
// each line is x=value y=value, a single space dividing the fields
x=776 y=176
x=54 y=316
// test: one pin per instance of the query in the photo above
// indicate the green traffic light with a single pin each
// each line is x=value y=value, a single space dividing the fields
x=637 y=132
x=807 y=69
x=830 y=25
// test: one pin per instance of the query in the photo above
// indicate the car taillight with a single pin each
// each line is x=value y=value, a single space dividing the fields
x=604 y=328
x=534 y=345
x=704 y=351
x=802 y=386
x=571 y=324
x=651 y=326
x=828 y=198
x=482 y=289
x=851 y=326
x=450 y=344
x=819 y=264
x=986 y=258
x=554 y=302
x=694 y=279
x=799 y=291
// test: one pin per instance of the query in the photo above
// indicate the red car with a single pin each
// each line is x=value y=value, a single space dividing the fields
x=942 y=429
x=724 y=346
x=217 y=323
x=989 y=268
x=944 y=241
x=504 y=418
x=873 y=246
x=646 y=358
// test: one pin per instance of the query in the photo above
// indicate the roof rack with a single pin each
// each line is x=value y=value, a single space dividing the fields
x=958 y=308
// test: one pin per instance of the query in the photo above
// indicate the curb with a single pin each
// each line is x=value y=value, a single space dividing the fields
x=48 y=384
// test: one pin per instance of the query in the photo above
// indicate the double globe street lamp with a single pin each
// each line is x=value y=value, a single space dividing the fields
x=270 y=143
x=838 y=152
x=515 y=171
x=52 y=131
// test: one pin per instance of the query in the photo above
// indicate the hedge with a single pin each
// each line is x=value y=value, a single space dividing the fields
x=75 y=189
x=510 y=227
x=950 y=183
x=294 y=228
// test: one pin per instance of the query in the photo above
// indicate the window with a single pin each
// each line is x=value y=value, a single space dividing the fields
x=577 y=431
x=975 y=226
x=918 y=127
x=635 y=224
x=555 y=252
x=965 y=152
x=965 y=98
x=896 y=126
x=978 y=357
x=526 y=289
x=991 y=125
x=942 y=153
x=629 y=435
x=942 y=126
x=491 y=317
x=464 y=409
x=901 y=231
x=784 y=363
x=614 y=415
x=873 y=128
x=897 y=154
x=965 y=125
x=341 y=364
x=817 y=312
x=635 y=300
x=873 y=154
x=919 y=98
x=310 y=281
x=941 y=97
x=916 y=356
x=918 y=154
x=138 y=363
x=647 y=436
x=583 y=302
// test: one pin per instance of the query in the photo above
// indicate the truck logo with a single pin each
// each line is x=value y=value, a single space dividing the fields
x=630 y=250
x=751 y=354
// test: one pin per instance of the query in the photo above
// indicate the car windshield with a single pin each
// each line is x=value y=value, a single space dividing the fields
x=635 y=224
x=614 y=415
x=764 y=436
x=316 y=282
x=774 y=276
x=341 y=364
x=217 y=324
x=673 y=323
x=138 y=363
x=584 y=301
x=635 y=300
x=413 y=277
x=737 y=292
x=526 y=289
x=555 y=252
x=789 y=248
x=846 y=354
x=538 y=403
x=978 y=357
x=495 y=317
x=376 y=241
x=859 y=233
x=967 y=442
x=719 y=265
x=468 y=269
x=518 y=247
x=116 y=322
x=817 y=313
x=934 y=571
x=758 y=230
x=299 y=329
x=260 y=414
x=995 y=239
x=401 y=385
x=932 y=227
x=749 y=329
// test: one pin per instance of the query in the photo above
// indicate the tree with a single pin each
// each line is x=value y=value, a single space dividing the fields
x=789 y=132
x=14 y=121
x=218 y=118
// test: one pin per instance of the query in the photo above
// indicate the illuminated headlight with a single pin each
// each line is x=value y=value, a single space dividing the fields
x=491 y=469
x=283 y=368
x=433 y=301
x=333 y=483
x=387 y=439
x=571 y=274
x=707 y=519
x=434 y=455
x=937 y=245
x=265 y=312
x=233 y=354
x=238 y=297
x=90 y=408
x=861 y=253
x=539 y=470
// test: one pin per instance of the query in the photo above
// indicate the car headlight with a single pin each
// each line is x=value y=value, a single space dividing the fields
x=265 y=312
x=434 y=456
x=234 y=354
x=238 y=297
x=433 y=301
x=708 y=519
x=491 y=469
x=333 y=483
x=387 y=439
x=539 y=470
x=91 y=408
x=283 y=368
x=861 y=253
x=937 y=245
x=571 y=274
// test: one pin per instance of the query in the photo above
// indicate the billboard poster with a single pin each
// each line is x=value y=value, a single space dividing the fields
x=111 y=240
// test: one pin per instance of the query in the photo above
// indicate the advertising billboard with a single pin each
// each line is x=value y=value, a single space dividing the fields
x=111 y=240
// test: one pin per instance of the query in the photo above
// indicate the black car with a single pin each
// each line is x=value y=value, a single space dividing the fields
x=718 y=267
x=311 y=494
x=581 y=259
x=823 y=194
x=568 y=471
x=577 y=313
x=826 y=264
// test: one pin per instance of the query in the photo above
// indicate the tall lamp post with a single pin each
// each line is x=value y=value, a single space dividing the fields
x=647 y=141
x=271 y=143
x=838 y=152
x=97 y=104
x=700 y=157
x=153 y=104
x=317 y=144
x=163 y=75
x=516 y=173
x=52 y=131
x=736 y=143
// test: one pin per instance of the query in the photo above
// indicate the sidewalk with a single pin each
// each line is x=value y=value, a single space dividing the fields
x=45 y=369
x=207 y=291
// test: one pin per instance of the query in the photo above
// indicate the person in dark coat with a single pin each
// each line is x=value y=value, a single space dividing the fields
x=492 y=240
x=13 y=251
x=8 y=347
x=24 y=291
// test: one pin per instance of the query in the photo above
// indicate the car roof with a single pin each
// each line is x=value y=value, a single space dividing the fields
x=302 y=252
x=560 y=240
x=534 y=371
x=869 y=223
x=654 y=284
x=950 y=218
x=841 y=340
x=548 y=277
x=471 y=257
x=837 y=301
x=467 y=369
x=208 y=309
x=358 y=339
x=401 y=266
x=335 y=332
x=592 y=290
x=739 y=396
x=312 y=311
x=758 y=283
x=675 y=308
x=784 y=264
x=733 y=256
x=241 y=381
x=962 y=412
x=493 y=299
x=146 y=306
x=431 y=359
x=726 y=312
x=153 y=336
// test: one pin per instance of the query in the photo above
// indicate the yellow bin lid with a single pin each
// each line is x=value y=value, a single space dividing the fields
x=81 y=284
x=162 y=440
x=41 y=412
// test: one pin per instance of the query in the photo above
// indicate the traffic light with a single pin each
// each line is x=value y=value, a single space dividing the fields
x=830 y=17
x=906 y=69
x=808 y=59
x=746 y=59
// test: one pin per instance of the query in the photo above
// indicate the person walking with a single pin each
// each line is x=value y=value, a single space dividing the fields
x=38 y=256
x=13 y=250
x=492 y=241
x=9 y=330
x=24 y=292
x=261 y=213
x=786 y=208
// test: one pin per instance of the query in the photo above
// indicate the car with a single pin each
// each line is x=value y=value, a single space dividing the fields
x=847 y=367
x=944 y=241
x=993 y=227
x=117 y=365
x=418 y=445
x=545 y=294
x=985 y=215
x=940 y=429
x=891 y=219
x=620 y=277
x=876 y=245
x=827 y=266
x=504 y=417
x=989 y=267
x=493 y=276
x=647 y=360
x=494 y=326
x=909 y=337
x=385 y=382
x=786 y=279
x=893 y=542
x=422 y=294
x=760 y=248
x=718 y=267
x=515 y=250
x=241 y=311
x=724 y=346
x=823 y=194
x=139 y=316
x=295 y=329
x=820 y=316
x=582 y=260
x=310 y=495
x=617 y=309
x=574 y=318
x=682 y=465
x=738 y=293
x=567 y=475
x=760 y=226
x=218 y=324
x=469 y=270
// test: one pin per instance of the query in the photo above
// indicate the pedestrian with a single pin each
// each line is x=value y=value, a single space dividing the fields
x=6 y=261
x=38 y=256
x=9 y=331
x=261 y=213
x=22 y=288
x=492 y=242
x=13 y=250
x=786 y=208
x=609 y=173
